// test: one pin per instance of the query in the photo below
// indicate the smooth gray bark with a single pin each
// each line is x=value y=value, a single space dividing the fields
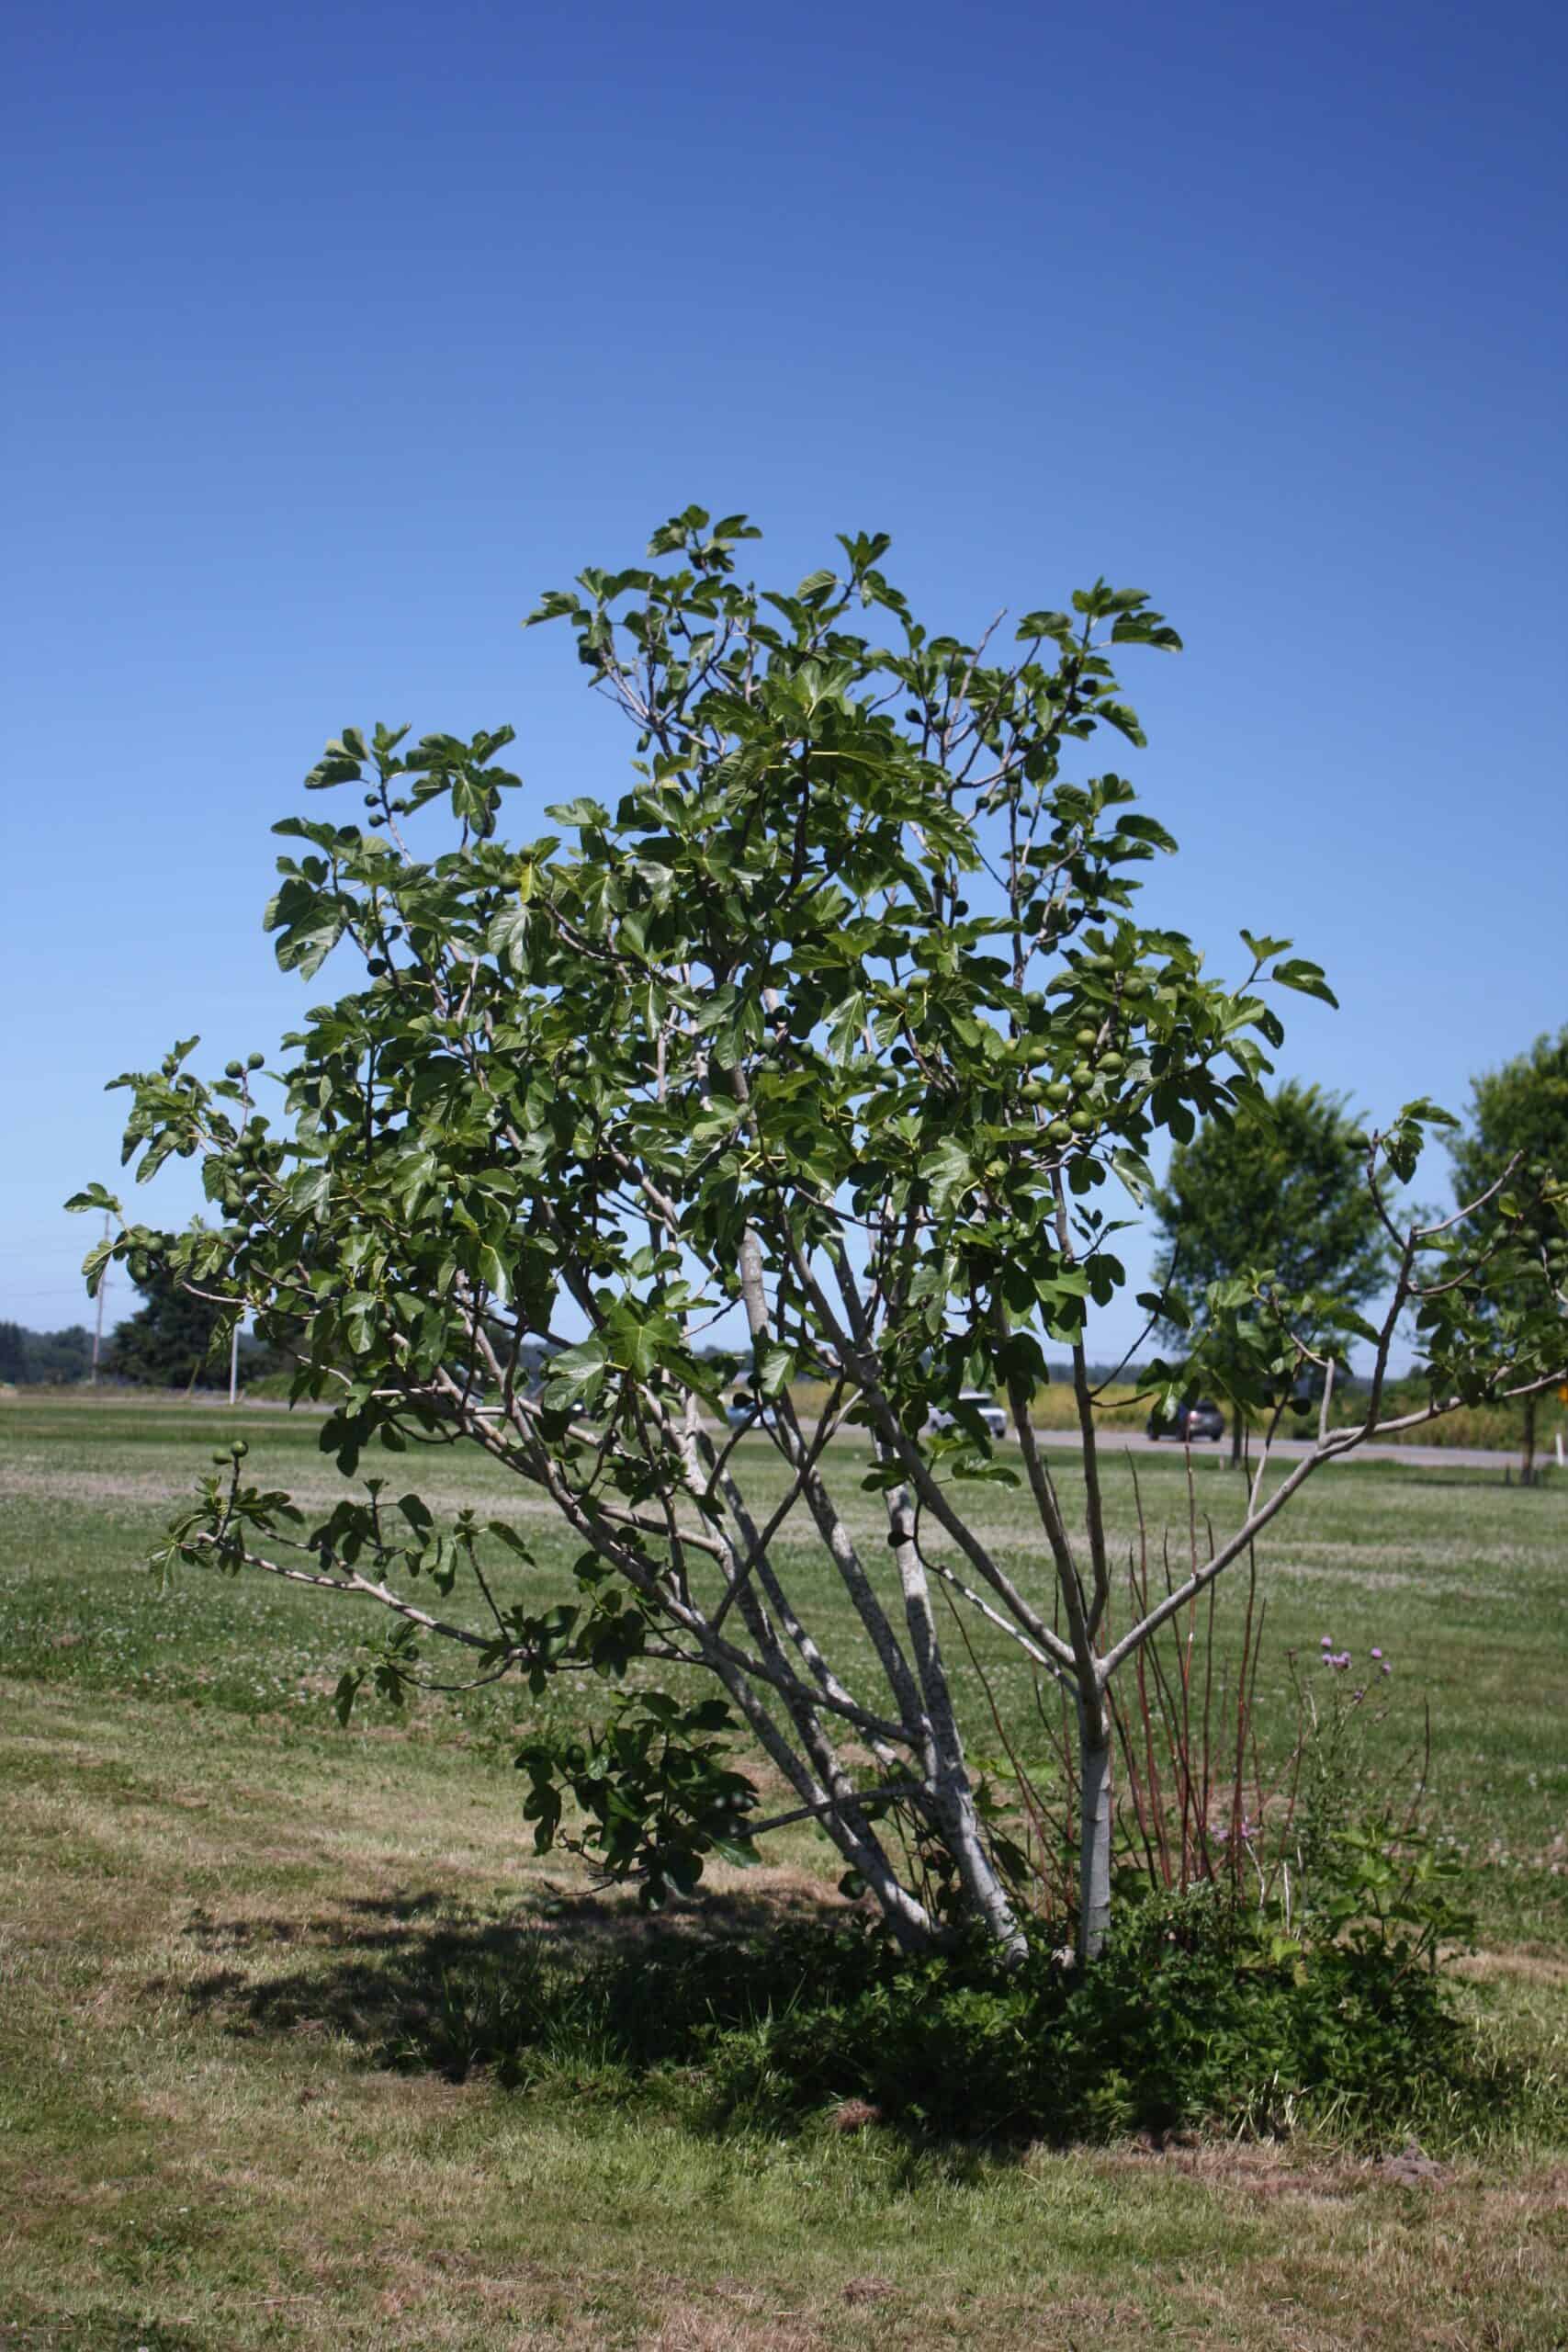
x=1094 y=1829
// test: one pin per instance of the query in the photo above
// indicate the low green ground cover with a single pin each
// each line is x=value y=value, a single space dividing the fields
x=243 y=1946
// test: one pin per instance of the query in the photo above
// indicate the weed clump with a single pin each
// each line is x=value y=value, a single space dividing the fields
x=1185 y=2020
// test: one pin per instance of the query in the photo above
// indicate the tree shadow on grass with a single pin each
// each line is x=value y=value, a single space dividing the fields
x=421 y=1980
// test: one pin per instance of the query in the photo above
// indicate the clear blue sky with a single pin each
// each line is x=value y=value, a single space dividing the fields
x=336 y=333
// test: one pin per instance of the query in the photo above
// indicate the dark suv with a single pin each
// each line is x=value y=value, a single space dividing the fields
x=1202 y=1420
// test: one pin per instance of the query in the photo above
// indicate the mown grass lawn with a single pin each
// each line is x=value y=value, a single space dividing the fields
x=220 y=1913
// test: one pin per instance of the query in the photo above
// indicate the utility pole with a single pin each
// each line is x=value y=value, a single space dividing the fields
x=98 y=1328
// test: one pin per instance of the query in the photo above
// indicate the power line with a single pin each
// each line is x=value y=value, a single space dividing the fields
x=52 y=1290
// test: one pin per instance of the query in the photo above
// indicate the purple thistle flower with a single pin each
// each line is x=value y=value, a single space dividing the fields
x=1385 y=1668
x=1377 y=1653
x=1327 y=1640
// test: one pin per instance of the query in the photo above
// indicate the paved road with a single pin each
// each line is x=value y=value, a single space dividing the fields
x=1430 y=1457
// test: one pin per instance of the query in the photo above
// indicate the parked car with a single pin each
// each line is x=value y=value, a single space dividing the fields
x=1190 y=1422
x=986 y=1405
x=742 y=1410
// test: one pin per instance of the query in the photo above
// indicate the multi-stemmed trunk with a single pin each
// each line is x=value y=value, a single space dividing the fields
x=716 y=1589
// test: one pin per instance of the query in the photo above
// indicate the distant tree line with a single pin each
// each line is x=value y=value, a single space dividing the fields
x=46 y=1358
x=172 y=1342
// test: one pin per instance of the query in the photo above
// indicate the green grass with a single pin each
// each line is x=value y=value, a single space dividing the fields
x=1463 y=1582
x=219 y=1907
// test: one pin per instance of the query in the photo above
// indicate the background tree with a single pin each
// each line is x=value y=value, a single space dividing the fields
x=1278 y=1196
x=174 y=1340
x=1517 y=1129
x=830 y=1033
